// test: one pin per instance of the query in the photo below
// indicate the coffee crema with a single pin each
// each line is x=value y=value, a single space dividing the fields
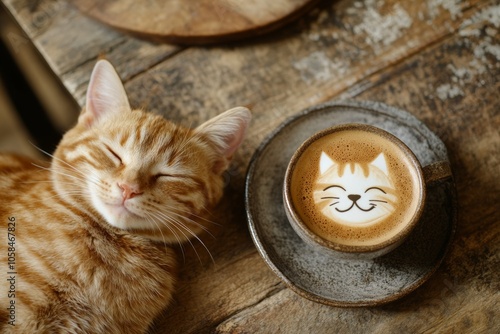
x=355 y=187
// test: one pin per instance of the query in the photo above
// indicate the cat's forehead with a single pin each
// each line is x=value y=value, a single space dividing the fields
x=348 y=174
x=143 y=130
x=345 y=170
x=146 y=139
x=134 y=122
x=355 y=176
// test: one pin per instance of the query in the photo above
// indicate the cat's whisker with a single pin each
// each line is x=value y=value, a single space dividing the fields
x=197 y=238
x=208 y=212
x=195 y=215
x=171 y=223
x=334 y=203
x=192 y=221
x=190 y=213
x=40 y=149
x=178 y=224
x=151 y=215
x=189 y=220
x=102 y=191
x=83 y=174
x=203 y=218
x=60 y=195
x=58 y=159
x=54 y=170
x=162 y=219
x=73 y=191
x=66 y=182
x=92 y=175
x=151 y=220
x=89 y=176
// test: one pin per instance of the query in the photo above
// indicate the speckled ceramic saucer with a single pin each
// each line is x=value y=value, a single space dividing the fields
x=316 y=275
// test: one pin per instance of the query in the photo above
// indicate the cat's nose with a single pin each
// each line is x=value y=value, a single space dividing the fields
x=354 y=198
x=129 y=191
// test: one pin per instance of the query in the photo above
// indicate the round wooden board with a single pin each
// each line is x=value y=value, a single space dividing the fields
x=195 y=21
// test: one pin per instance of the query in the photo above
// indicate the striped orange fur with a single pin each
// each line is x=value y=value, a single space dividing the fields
x=89 y=252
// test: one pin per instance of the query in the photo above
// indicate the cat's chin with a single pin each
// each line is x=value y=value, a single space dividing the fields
x=123 y=216
x=120 y=216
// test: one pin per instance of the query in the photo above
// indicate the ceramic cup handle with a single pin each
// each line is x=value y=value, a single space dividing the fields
x=437 y=172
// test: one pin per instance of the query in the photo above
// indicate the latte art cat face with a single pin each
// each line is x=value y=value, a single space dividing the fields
x=355 y=194
x=353 y=185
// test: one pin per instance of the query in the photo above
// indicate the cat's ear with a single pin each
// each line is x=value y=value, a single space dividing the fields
x=105 y=94
x=226 y=131
x=380 y=163
x=325 y=162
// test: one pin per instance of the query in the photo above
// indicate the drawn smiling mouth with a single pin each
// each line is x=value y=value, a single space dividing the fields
x=354 y=199
x=354 y=204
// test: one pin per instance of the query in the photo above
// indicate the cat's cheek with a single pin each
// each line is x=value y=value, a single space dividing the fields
x=100 y=206
x=332 y=214
x=375 y=216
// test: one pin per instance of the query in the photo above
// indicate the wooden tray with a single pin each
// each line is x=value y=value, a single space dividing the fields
x=195 y=21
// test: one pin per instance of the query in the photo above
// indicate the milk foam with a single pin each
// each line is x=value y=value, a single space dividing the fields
x=348 y=163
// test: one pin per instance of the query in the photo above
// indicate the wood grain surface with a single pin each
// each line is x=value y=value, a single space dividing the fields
x=437 y=59
x=195 y=21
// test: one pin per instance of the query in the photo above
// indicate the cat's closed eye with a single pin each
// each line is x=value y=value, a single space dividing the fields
x=171 y=176
x=115 y=155
x=164 y=176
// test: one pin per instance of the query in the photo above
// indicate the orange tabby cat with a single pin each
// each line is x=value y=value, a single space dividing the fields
x=82 y=238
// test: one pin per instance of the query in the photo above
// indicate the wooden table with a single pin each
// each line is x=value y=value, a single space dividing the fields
x=437 y=59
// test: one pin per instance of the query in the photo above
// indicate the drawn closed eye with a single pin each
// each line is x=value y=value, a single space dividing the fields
x=334 y=186
x=375 y=188
x=332 y=197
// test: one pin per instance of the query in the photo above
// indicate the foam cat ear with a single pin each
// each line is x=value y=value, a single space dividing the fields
x=226 y=131
x=325 y=162
x=380 y=163
x=105 y=93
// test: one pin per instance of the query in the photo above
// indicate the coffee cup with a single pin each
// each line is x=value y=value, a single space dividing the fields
x=356 y=191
